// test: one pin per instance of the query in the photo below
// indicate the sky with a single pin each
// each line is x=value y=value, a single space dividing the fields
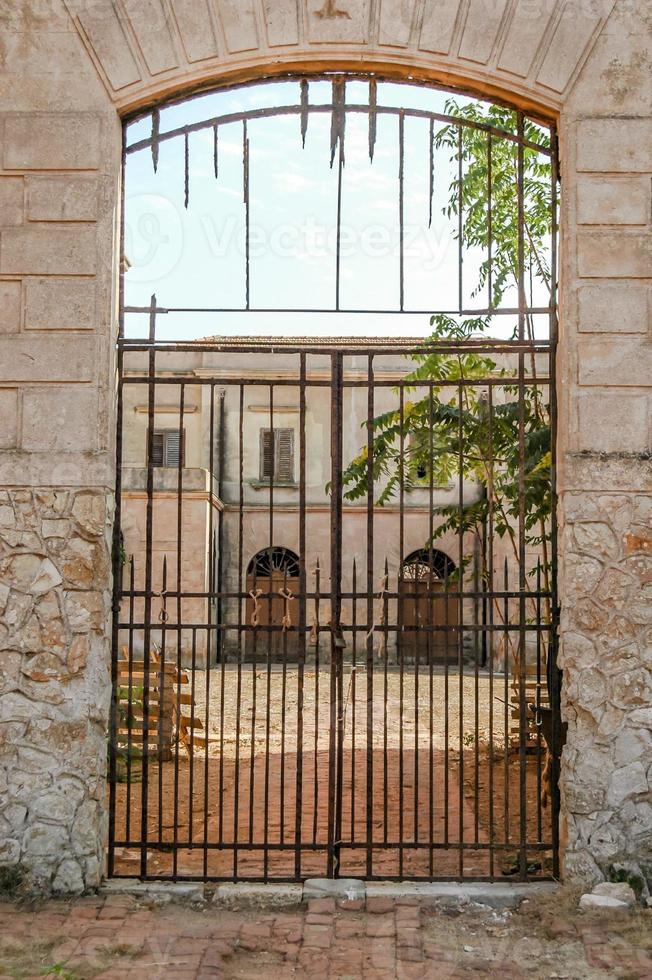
x=195 y=257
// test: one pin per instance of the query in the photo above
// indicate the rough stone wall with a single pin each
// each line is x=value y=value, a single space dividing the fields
x=54 y=607
x=59 y=193
x=66 y=69
x=607 y=661
x=605 y=367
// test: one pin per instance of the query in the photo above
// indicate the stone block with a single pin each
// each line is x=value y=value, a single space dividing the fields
x=395 y=24
x=624 y=362
x=614 y=145
x=439 y=18
x=48 y=251
x=615 y=307
x=51 y=141
x=615 y=255
x=11 y=201
x=104 y=31
x=281 y=18
x=60 y=304
x=8 y=418
x=239 y=22
x=59 y=418
x=570 y=39
x=150 y=24
x=33 y=358
x=10 y=305
x=196 y=30
x=614 y=200
x=527 y=27
x=481 y=29
x=612 y=422
x=61 y=198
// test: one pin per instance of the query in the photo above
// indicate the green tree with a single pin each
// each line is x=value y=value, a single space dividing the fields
x=450 y=431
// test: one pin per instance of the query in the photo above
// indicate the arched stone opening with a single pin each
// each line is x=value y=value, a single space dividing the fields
x=86 y=64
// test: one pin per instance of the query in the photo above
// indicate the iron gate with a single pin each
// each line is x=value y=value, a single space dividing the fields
x=335 y=608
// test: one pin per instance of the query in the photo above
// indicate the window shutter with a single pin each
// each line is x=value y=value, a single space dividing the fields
x=172 y=448
x=284 y=455
x=266 y=454
x=158 y=447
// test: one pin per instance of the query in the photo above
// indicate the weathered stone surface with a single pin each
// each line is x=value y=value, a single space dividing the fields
x=614 y=421
x=593 y=901
x=55 y=250
x=62 y=198
x=614 y=145
x=52 y=744
x=613 y=201
x=60 y=304
x=51 y=141
x=620 y=307
x=8 y=418
x=12 y=196
x=59 y=419
x=612 y=255
x=10 y=305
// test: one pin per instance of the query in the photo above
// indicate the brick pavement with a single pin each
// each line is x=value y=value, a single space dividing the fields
x=116 y=936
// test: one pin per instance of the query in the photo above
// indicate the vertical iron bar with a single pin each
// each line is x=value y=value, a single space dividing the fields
x=489 y=221
x=401 y=218
x=147 y=612
x=132 y=603
x=117 y=548
x=338 y=241
x=431 y=153
x=212 y=587
x=489 y=560
x=238 y=697
x=522 y=583
x=400 y=646
x=370 y=616
x=270 y=633
x=460 y=220
x=553 y=672
x=460 y=638
x=245 y=181
x=302 y=613
x=336 y=693
x=175 y=853
x=429 y=641
x=161 y=703
x=317 y=666
x=354 y=664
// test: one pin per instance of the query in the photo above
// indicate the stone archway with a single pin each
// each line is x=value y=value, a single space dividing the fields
x=71 y=70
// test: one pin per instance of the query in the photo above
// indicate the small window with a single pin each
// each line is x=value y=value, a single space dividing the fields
x=168 y=447
x=277 y=455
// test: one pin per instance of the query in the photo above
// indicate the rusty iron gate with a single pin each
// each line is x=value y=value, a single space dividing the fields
x=335 y=603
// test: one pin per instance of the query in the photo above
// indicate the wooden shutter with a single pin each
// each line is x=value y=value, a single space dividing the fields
x=158 y=449
x=172 y=448
x=266 y=454
x=284 y=439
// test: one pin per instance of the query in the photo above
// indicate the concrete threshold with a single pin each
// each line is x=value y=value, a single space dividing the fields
x=442 y=894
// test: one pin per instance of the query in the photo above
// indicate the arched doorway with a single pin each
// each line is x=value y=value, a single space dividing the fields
x=270 y=617
x=429 y=608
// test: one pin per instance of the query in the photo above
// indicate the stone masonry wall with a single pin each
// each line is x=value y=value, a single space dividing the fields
x=54 y=686
x=68 y=68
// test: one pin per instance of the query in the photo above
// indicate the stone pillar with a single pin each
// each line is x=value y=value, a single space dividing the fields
x=605 y=367
x=59 y=166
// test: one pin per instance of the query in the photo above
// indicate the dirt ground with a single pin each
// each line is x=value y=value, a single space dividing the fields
x=423 y=762
x=119 y=938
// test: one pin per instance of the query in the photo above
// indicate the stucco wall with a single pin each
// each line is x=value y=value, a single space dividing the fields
x=66 y=72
